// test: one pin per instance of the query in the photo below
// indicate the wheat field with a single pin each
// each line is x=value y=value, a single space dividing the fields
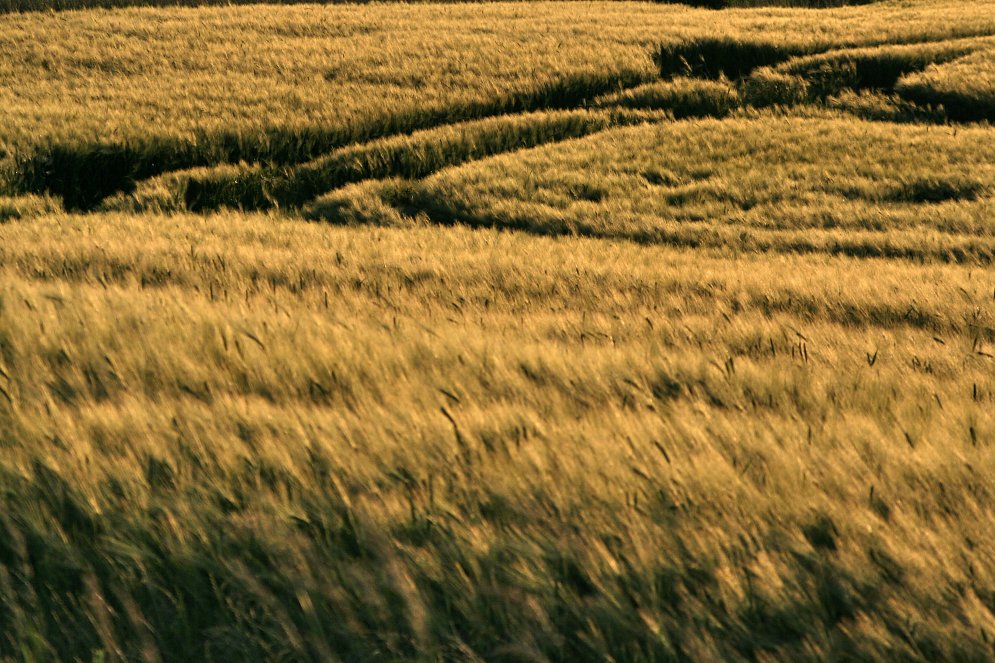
x=516 y=332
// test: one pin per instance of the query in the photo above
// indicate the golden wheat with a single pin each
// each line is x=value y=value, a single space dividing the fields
x=588 y=331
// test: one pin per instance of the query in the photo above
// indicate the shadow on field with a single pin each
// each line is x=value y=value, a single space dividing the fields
x=115 y=582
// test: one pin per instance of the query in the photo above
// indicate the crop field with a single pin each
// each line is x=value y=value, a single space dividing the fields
x=516 y=332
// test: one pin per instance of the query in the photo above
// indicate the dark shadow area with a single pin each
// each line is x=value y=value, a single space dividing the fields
x=87 y=581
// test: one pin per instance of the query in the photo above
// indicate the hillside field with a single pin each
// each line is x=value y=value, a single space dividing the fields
x=516 y=332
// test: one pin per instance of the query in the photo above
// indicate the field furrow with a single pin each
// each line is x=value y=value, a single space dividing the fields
x=746 y=184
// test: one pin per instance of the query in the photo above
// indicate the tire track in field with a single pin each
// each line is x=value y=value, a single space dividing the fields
x=290 y=169
x=85 y=174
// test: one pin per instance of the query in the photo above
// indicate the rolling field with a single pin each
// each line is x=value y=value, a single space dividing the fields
x=501 y=332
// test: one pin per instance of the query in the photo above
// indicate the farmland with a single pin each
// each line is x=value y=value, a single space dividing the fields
x=503 y=332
